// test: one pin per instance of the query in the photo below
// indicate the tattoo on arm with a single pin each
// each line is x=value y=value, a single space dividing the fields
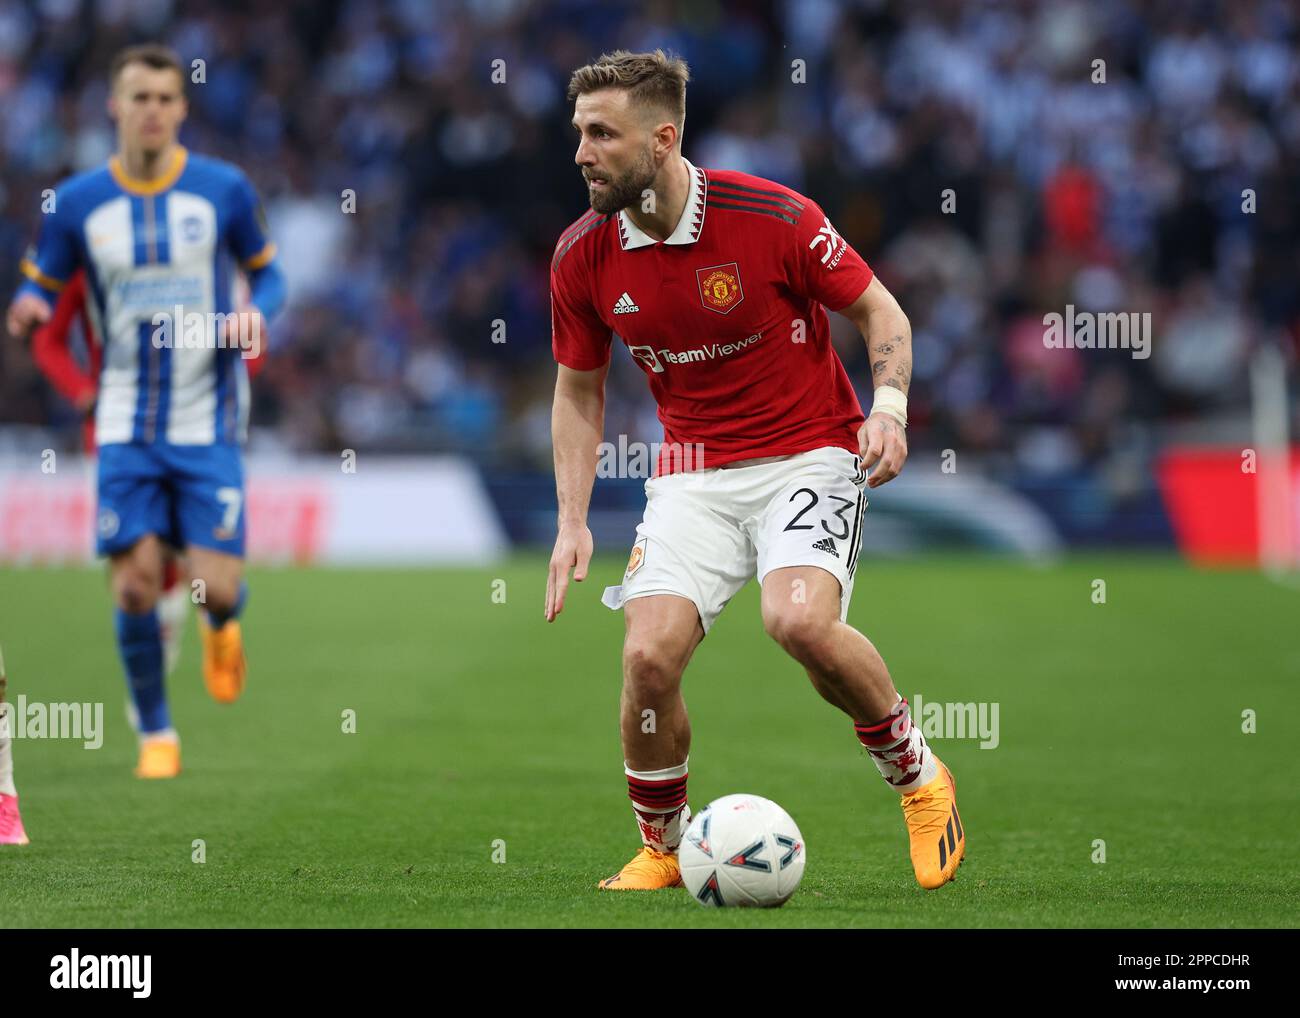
x=893 y=365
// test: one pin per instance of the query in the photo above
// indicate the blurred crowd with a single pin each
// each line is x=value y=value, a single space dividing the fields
x=993 y=161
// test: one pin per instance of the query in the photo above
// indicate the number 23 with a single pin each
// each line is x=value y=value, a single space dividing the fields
x=794 y=524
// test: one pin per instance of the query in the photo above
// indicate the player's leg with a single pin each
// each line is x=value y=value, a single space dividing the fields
x=172 y=606
x=806 y=569
x=801 y=612
x=848 y=672
x=802 y=608
x=11 y=822
x=135 y=577
x=689 y=559
x=662 y=632
x=132 y=513
x=219 y=577
x=209 y=481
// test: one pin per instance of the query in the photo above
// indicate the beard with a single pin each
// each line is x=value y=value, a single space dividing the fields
x=626 y=189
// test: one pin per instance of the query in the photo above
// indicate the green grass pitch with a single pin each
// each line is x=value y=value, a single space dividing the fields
x=478 y=724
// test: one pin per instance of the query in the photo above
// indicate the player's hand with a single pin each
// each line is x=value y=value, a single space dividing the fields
x=25 y=313
x=245 y=331
x=882 y=443
x=573 y=548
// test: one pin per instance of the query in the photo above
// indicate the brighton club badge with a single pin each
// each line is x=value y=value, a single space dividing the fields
x=720 y=287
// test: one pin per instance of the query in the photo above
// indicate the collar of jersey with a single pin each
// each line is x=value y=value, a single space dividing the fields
x=158 y=184
x=688 y=227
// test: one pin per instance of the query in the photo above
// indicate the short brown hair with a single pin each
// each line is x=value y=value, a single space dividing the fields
x=151 y=54
x=653 y=79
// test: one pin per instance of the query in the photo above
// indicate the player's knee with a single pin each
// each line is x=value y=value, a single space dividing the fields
x=136 y=599
x=135 y=593
x=650 y=673
x=221 y=597
x=803 y=635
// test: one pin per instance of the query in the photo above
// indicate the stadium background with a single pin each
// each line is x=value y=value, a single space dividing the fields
x=1122 y=196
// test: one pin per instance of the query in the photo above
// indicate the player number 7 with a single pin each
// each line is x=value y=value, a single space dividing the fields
x=232 y=499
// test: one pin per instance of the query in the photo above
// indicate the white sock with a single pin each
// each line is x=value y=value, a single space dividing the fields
x=899 y=750
x=6 y=739
x=659 y=802
x=7 y=767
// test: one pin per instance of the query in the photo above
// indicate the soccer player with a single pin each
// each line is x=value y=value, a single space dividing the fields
x=156 y=230
x=78 y=383
x=716 y=281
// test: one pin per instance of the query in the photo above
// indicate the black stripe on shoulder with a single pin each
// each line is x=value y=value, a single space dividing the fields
x=783 y=214
x=577 y=236
x=765 y=192
x=576 y=225
x=775 y=202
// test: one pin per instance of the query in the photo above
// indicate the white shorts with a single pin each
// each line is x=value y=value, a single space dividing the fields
x=707 y=532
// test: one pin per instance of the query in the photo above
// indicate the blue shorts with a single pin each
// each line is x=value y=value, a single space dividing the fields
x=186 y=494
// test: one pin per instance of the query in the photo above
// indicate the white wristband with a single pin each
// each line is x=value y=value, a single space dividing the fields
x=890 y=401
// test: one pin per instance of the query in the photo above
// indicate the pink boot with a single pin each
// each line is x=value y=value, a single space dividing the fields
x=11 y=823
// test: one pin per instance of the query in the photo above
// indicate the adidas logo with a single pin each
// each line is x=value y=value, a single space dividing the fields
x=951 y=846
x=826 y=544
x=624 y=305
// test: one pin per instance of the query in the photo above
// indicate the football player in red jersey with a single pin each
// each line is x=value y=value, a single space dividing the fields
x=717 y=282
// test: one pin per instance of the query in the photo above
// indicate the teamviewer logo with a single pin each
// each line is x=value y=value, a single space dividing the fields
x=647 y=356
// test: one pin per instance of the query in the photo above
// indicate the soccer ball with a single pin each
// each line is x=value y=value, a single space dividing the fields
x=742 y=850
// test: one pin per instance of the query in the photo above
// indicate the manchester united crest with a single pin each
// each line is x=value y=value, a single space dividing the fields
x=636 y=558
x=720 y=288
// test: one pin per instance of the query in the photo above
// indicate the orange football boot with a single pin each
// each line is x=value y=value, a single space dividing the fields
x=648 y=871
x=224 y=666
x=160 y=757
x=938 y=839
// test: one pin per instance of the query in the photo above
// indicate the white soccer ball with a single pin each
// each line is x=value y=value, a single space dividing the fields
x=742 y=850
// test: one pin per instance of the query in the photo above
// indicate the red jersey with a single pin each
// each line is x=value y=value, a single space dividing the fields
x=725 y=317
